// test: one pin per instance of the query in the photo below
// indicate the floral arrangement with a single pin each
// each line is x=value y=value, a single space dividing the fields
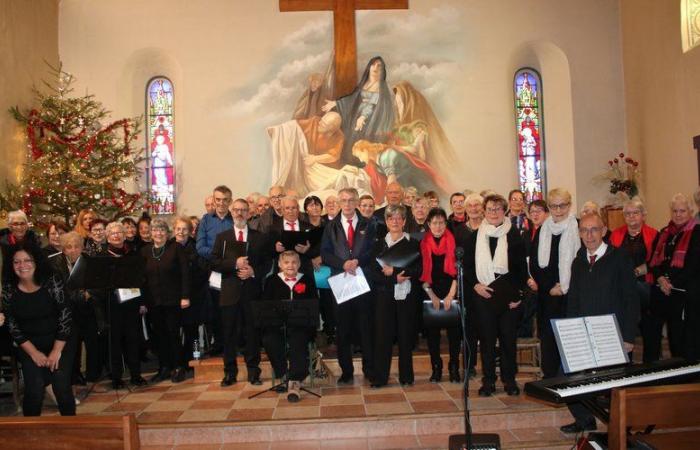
x=623 y=175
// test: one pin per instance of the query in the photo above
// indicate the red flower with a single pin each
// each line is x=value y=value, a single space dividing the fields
x=635 y=163
x=628 y=160
x=617 y=160
x=610 y=162
x=299 y=288
x=622 y=155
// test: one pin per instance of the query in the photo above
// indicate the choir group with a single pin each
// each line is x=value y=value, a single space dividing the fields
x=203 y=278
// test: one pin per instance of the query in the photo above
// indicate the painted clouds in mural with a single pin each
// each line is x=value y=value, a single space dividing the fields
x=386 y=130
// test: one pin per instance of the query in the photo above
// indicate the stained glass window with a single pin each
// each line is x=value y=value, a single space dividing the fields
x=529 y=127
x=159 y=128
x=690 y=24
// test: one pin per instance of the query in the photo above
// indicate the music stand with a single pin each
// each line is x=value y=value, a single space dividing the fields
x=285 y=313
x=468 y=440
x=107 y=273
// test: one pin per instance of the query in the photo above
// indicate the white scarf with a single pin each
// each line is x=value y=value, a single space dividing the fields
x=487 y=267
x=401 y=290
x=569 y=244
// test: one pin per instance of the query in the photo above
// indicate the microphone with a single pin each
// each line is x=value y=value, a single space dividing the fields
x=459 y=252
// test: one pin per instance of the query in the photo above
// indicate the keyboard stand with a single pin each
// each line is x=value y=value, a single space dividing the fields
x=595 y=407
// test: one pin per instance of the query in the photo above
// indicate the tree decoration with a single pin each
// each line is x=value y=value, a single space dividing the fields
x=73 y=160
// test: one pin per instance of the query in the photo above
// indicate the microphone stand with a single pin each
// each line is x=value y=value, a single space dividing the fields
x=468 y=440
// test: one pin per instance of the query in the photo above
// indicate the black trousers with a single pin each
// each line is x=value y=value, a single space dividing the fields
x=393 y=320
x=229 y=323
x=354 y=318
x=214 y=317
x=326 y=306
x=496 y=324
x=454 y=341
x=37 y=378
x=663 y=310
x=549 y=307
x=472 y=337
x=298 y=352
x=123 y=335
x=166 y=326
x=85 y=326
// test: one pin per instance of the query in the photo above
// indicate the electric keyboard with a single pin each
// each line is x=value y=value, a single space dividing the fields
x=590 y=383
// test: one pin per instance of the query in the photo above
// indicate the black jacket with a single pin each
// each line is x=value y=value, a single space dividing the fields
x=382 y=282
x=546 y=277
x=334 y=244
x=233 y=288
x=606 y=287
x=167 y=274
x=277 y=289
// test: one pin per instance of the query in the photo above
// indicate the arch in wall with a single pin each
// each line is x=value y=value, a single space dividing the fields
x=140 y=67
x=553 y=65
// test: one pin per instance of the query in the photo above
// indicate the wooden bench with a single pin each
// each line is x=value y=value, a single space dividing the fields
x=76 y=432
x=676 y=406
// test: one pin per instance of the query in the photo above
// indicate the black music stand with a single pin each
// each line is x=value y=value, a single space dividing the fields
x=108 y=273
x=286 y=313
x=468 y=440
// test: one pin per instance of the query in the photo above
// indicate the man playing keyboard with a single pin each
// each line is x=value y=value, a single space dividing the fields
x=602 y=282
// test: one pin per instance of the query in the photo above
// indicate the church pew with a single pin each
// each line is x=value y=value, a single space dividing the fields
x=77 y=432
x=662 y=406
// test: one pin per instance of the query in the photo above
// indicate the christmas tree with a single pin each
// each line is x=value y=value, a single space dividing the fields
x=74 y=161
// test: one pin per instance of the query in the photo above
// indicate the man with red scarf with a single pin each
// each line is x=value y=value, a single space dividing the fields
x=674 y=265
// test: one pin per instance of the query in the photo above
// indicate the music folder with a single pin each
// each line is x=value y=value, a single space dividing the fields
x=401 y=254
x=290 y=239
x=589 y=342
x=441 y=318
x=97 y=272
x=503 y=293
x=294 y=313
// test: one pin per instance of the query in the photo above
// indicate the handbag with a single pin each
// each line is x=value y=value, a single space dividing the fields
x=439 y=318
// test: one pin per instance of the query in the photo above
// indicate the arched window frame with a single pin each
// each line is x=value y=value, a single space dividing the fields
x=690 y=24
x=160 y=175
x=531 y=168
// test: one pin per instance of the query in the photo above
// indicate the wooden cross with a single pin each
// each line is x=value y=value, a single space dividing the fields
x=344 y=37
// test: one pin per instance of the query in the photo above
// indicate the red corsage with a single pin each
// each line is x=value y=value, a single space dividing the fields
x=299 y=288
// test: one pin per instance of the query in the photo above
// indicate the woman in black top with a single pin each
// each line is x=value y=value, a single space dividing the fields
x=439 y=272
x=192 y=317
x=40 y=322
x=54 y=233
x=674 y=264
x=167 y=292
x=394 y=314
x=313 y=207
x=497 y=250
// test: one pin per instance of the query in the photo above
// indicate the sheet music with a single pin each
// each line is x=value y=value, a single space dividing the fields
x=127 y=294
x=574 y=345
x=215 y=279
x=605 y=340
x=346 y=287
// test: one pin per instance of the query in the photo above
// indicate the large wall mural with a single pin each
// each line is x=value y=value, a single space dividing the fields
x=389 y=128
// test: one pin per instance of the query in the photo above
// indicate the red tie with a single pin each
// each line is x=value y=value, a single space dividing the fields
x=240 y=235
x=351 y=234
x=592 y=258
x=290 y=279
x=291 y=225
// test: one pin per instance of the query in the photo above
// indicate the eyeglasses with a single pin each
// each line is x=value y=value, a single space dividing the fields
x=18 y=224
x=240 y=210
x=222 y=199
x=276 y=197
x=632 y=213
x=559 y=205
x=19 y=262
x=494 y=210
x=593 y=230
x=344 y=201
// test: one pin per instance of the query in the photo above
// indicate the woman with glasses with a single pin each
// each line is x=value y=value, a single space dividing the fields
x=674 y=264
x=553 y=251
x=96 y=242
x=439 y=277
x=167 y=293
x=635 y=238
x=496 y=251
x=40 y=323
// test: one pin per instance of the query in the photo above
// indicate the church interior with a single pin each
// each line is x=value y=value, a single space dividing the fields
x=615 y=76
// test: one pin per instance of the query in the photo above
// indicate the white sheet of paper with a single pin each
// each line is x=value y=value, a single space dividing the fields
x=605 y=340
x=127 y=294
x=346 y=287
x=576 y=347
x=215 y=280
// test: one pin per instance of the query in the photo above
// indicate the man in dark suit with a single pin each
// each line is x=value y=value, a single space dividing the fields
x=292 y=221
x=345 y=247
x=602 y=282
x=272 y=216
x=394 y=196
x=242 y=256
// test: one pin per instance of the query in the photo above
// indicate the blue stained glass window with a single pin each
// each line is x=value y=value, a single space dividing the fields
x=530 y=133
x=161 y=141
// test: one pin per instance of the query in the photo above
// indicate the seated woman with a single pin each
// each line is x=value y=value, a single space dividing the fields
x=289 y=284
x=40 y=323
x=394 y=302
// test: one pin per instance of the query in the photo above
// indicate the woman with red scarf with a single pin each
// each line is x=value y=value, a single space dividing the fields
x=674 y=265
x=636 y=239
x=439 y=279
